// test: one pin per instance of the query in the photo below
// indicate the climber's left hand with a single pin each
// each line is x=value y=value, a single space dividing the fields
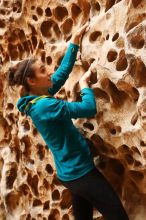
x=77 y=36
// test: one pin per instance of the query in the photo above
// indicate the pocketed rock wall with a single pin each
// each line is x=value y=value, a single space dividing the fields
x=115 y=46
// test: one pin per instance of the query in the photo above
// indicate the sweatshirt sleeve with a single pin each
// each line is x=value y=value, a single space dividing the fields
x=62 y=73
x=62 y=110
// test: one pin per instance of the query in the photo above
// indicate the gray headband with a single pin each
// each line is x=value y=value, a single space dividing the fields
x=25 y=71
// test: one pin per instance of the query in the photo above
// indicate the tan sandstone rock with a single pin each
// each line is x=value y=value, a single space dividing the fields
x=115 y=46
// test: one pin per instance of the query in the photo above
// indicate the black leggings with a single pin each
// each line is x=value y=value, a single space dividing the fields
x=93 y=189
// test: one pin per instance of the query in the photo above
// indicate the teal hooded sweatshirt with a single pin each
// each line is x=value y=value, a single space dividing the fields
x=53 y=119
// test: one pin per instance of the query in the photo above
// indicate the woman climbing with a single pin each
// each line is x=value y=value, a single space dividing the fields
x=52 y=118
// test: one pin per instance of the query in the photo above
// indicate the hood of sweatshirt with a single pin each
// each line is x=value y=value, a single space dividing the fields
x=23 y=101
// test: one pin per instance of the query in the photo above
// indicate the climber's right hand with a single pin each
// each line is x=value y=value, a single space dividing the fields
x=84 y=81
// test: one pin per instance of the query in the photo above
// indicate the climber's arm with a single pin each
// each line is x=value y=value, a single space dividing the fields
x=66 y=66
x=62 y=73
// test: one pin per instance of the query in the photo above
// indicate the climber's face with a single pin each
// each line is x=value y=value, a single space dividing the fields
x=42 y=80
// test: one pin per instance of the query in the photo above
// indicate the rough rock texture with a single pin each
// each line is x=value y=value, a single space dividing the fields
x=115 y=44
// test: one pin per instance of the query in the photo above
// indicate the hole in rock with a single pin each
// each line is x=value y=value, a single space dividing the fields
x=89 y=126
x=65 y=199
x=46 y=205
x=129 y=159
x=118 y=97
x=11 y=117
x=17 y=7
x=142 y=143
x=136 y=20
x=134 y=118
x=31 y=161
x=26 y=46
x=60 y=13
x=2 y=24
x=41 y=45
x=67 y=26
x=65 y=217
x=137 y=70
x=68 y=94
x=54 y=215
x=131 y=25
x=109 y=4
x=35 y=131
x=43 y=56
x=11 y=175
x=57 y=30
x=24 y=189
x=33 y=30
x=135 y=150
x=21 y=35
x=113 y=131
x=34 y=17
x=26 y=125
x=46 y=184
x=2 y=12
x=99 y=93
x=13 y=52
x=135 y=94
x=12 y=200
x=37 y=202
x=34 y=41
x=56 y=181
x=137 y=41
x=16 y=149
x=75 y=11
x=40 y=151
x=124 y=149
x=115 y=37
x=99 y=144
x=136 y=3
x=94 y=35
x=122 y=63
x=55 y=195
x=6 y=3
x=49 y=169
x=28 y=217
x=10 y=106
x=45 y=28
x=117 y=166
x=26 y=140
x=13 y=38
x=85 y=65
x=39 y=11
x=68 y=38
x=48 y=12
x=52 y=41
x=107 y=36
x=96 y=6
x=33 y=183
x=144 y=153
x=91 y=60
x=137 y=163
x=32 y=7
x=112 y=55
x=93 y=77
x=49 y=60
